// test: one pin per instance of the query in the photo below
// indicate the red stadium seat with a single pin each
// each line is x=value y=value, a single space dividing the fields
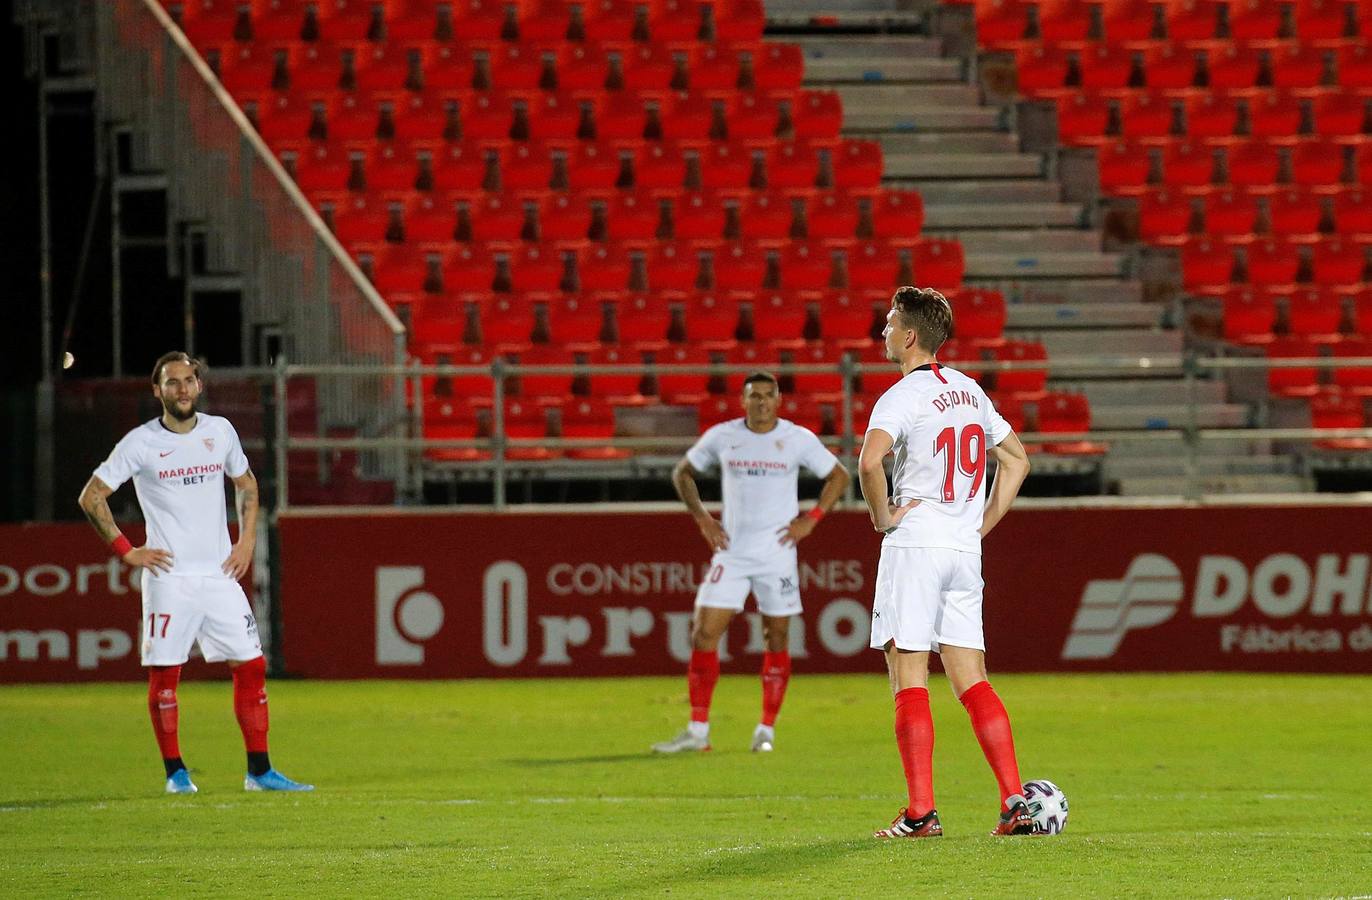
x=1275 y=114
x=698 y=216
x=1124 y=168
x=1335 y=409
x=1233 y=66
x=632 y=218
x=622 y=387
x=738 y=267
x=611 y=21
x=792 y=165
x=1295 y=213
x=1335 y=116
x=1317 y=163
x=457 y=167
x=1353 y=212
x=1354 y=379
x=1169 y=66
x=507 y=320
x=751 y=118
x=1210 y=115
x=817 y=115
x=1189 y=20
x=1206 y=266
x=833 y=216
x=1315 y=315
x=1362 y=313
x=740 y=20
x=1062 y=413
x=712 y=318
x=538 y=384
x=1337 y=262
x=1273 y=263
x=880 y=373
x=468 y=268
x=1297 y=66
x=1164 y=217
x=806 y=411
x=846 y=317
x=778 y=67
x=857 y=164
x=1127 y=20
x=1254 y=20
x=897 y=215
x=1042 y=69
x=1296 y=381
x=1321 y=19
x=766 y=217
x=642 y=317
x=606 y=268
x=979 y=316
x=871 y=264
x=1144 y=116
x=1249 y=316
x=1104 y=67
x=1231 y=215
x=1021 y=381
x=1064 y=20
x=778 y=318
x=714 y=68
x=726 y=167
x=711 y=411
x=660 y=168
x=1355 y=65
x=682 y=387
x=673 y=267
x=963 y=356
x=1001 y=22
x=1253 y=165
x=585 y=418
x=493 y=221
x=1082 y=119
x=526 y=421
x=752 y=356
x=576 y=320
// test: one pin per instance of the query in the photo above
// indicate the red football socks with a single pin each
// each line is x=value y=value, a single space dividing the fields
x=776 y=674
x=162 y=681
x=992 y=726
x=915 y=738
x=701 y=679
x=250 y=703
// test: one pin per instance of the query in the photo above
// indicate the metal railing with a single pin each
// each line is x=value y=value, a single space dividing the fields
x=298 y=284
x=1183 y=438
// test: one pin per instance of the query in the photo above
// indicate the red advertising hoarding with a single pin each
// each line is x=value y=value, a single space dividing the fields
x=423 y=595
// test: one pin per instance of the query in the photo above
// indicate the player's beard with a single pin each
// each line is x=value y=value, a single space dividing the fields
x=174 y=410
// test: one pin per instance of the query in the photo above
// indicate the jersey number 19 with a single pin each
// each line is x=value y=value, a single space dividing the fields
x=966 y=454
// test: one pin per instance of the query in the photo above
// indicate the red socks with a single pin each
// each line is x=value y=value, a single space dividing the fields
x=701 y=679
x=776 y=674
x=250 y=703
x=915 y=738
x=992 y=726
x=162 y=681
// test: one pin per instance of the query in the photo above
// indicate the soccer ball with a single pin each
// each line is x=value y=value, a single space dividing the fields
x=1048 y=806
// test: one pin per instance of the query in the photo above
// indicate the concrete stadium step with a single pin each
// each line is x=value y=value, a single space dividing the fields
x=963 y=164
x=1064 y=290
x=826 y=17
x=1025 y=241
x=956 y=142
x=1134 y=467
x=903 y=97
x=984 y=192
x=830 y=46
x=1038 y=316
x=1217 y=450
x=1049 y=264
x=944 y=216
x=824 y=71
x=1208 y=415
x=1144 y=392
x=862 y=119
x=1169 y=486
x=1111 y=342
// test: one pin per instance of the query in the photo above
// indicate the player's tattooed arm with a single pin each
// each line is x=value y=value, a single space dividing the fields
x=240 y=558
x=94 y=502
x=684 y=480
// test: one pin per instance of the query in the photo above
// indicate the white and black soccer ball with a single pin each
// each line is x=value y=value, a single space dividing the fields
x=1048 y=805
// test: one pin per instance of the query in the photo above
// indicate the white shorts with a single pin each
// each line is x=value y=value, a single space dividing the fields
x=927 y=597
x=775 y=582
x=179 y=610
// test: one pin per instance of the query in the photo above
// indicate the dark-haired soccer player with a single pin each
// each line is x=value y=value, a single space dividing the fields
x=759 y=457
x=190 y=588
x=942 y=429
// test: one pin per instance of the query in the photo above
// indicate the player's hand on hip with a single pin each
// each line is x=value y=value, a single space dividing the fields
x=896 y=513
x=149 y=558
x=236 y=566
x=797 y=531
x=714 y=533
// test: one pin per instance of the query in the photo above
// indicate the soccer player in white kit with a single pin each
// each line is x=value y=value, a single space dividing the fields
x=942 y=429
x=190 y=588
x=759 y=457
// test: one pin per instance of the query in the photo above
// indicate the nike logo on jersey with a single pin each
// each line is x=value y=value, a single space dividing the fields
x=168 y=453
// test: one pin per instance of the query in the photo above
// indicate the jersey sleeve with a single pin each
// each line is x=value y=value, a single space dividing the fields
x=122 y=462
x=888 y=415
x=235 y=461
x=997 y=429
x=704 y=453
x=815 y=456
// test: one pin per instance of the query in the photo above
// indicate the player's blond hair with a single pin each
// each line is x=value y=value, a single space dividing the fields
x=927 y=312
x=180 y=356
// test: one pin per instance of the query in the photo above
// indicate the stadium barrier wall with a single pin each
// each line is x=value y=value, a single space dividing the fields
x=415 y=594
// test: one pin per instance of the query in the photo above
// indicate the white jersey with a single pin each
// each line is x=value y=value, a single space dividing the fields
x=759 y=474
x=179 y=479
x=942 y=424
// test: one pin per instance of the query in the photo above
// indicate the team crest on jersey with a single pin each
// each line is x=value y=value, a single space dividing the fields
x=781 y=445
x=209 y=444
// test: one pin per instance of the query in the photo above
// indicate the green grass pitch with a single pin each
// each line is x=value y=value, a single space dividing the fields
x=1180 y=786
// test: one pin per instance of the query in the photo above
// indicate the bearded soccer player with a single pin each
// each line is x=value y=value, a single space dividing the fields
x=190 y=588
x=759 y=457
x=942 y=429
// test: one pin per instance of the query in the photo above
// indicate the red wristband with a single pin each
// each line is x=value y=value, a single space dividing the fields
x=815 y=513
x=121 y=546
